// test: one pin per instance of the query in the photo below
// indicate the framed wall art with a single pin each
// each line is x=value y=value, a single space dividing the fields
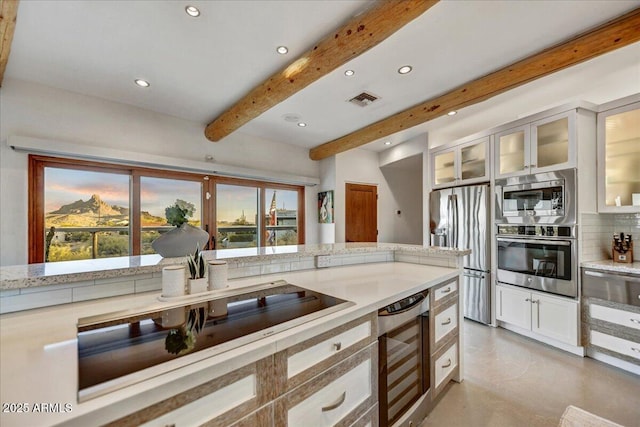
x=325 y=207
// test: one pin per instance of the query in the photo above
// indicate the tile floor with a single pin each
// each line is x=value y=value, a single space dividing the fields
x=511 y=380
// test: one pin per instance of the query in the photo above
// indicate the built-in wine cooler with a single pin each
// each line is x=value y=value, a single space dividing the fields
x=403 y=347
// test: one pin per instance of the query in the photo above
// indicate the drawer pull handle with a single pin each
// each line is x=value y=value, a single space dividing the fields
x=528 y=299
x=446 y=291
x=339 y=402
x=446 y=365
x=446 y=322
x=635 y=321
x=337 y=346
x=535 y=301
x=637 y=350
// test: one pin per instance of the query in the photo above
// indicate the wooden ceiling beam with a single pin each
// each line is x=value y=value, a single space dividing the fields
x=613 y=35
x=356 y=37
x=8 y=14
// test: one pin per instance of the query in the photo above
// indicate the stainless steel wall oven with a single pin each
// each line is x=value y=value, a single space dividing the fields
x=538 y=257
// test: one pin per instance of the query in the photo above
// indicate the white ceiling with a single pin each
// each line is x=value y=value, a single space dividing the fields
x=198 y=67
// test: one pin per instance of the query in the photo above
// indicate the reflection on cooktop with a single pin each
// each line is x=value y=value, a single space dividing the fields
x=113 y=347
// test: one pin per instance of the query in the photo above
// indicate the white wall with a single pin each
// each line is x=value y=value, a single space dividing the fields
x=326 y=232
x=404 y=178
x=38 y=111
x=410 y=148
x=361 y=166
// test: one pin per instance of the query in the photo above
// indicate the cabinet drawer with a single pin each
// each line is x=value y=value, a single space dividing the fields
x=315 y=354
x=445 y=322
x=613 y=315
x=338 y=396
x=445 y=290
x=303 y=361
x=220 y=401
x=210 y=406
x=619 y=345
x=445 y=364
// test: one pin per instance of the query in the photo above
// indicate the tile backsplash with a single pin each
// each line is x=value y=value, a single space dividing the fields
x=598 y=231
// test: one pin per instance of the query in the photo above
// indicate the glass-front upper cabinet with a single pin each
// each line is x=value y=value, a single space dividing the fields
x=473 y=160
x=619 y=159
x=541 y=146
x=444 y=168
x=462 y=164
x=512 y=152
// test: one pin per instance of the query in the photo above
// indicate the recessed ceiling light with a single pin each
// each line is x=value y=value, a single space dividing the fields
x=142 y=83
x=452 y=113
x=387 y=143
x=349 y=73
x=192 y=11
x=282 y=50
x=302 y=124
x=405 y=69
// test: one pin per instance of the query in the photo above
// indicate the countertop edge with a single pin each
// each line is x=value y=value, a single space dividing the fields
x=35 y=275
x=613 y=267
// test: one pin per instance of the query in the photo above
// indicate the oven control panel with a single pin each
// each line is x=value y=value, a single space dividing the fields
x=537 y=230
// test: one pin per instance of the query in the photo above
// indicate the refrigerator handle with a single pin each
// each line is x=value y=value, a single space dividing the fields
x=454 y=243
x=451 y=226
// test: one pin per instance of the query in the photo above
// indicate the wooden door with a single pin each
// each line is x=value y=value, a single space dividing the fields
x=361 y=211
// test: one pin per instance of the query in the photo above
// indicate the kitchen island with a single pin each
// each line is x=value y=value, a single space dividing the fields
x=39 y=368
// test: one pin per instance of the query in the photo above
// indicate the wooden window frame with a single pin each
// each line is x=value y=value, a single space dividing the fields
x=38 y=163
x=262 y=203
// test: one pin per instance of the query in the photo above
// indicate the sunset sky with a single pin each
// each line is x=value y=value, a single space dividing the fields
x=64 y=186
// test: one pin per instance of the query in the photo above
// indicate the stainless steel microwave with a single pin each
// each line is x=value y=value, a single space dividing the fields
x=544 y=198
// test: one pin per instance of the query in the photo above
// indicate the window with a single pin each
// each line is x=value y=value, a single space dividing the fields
x=281 y=217
x=82 y=210
x=236 y=216
x=86 y=214
x=156 y=194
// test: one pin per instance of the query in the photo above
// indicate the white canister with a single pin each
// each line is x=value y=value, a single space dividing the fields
x=217 y=275
x=174 y=318
x=218 y=307
x=174 y=279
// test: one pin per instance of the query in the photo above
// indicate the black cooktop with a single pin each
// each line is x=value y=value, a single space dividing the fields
x=125 y=347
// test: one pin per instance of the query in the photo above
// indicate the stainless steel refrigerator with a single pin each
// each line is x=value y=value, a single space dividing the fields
x=460 y=218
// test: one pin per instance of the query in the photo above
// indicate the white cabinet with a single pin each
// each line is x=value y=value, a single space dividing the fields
x=514 y=306
x=619 y=155
x=623 y=346
x=444 y=333
x=462 y=164
x=338 y=396
x=543 y=314
x=555 y=318
x=541 y=146
x=445 y=364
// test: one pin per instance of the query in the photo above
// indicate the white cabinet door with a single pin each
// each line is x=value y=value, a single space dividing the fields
x=444 y=168
x=552 y=145
x=514 y=306
x=542 y=146
x=512 y=152
x=619 y=157
x=474 y=161
x=555 y=318
x=466 y=163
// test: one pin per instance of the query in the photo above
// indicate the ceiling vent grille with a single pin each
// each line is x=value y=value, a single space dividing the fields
x=364 y=99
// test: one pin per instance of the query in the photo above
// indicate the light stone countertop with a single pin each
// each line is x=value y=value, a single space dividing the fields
x=39 y=354
x=613 y=267
x=52 y=273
